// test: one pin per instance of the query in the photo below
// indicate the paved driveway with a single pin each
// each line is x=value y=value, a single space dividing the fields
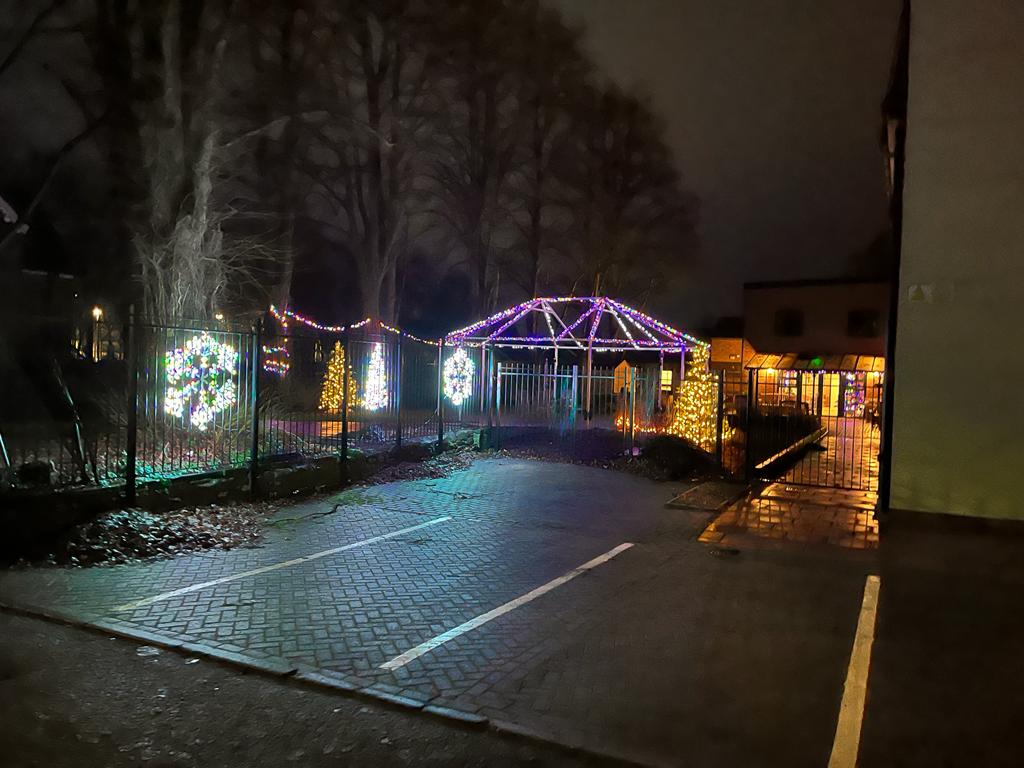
x=508 y=591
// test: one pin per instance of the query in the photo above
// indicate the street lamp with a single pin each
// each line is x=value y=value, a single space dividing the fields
x=97 y=314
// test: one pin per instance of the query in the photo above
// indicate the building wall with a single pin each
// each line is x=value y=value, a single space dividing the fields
x=825 y=310
x=958 y=444
x=730 y=353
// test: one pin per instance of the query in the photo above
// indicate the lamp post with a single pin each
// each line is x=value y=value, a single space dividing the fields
x=97 y=315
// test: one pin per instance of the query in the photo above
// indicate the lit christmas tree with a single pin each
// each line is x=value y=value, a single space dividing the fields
x=694 y=409
x=334 y=382
x=375 y=391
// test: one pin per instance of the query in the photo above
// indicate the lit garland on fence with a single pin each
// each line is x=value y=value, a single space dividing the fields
x=276 y=360
x=458 y=377
x=694 y=409
x=200 y=380
x=375 y=391
x=284 y=315
x=331 y=395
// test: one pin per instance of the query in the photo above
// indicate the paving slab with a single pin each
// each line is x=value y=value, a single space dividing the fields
x=662 y=653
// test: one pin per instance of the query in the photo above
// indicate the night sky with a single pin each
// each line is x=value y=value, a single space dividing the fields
x=773 y=111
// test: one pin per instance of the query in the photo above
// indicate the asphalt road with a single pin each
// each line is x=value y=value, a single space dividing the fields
x=71 y=697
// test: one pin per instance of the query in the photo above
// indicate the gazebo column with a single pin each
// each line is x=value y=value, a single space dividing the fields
x=483 y=377
x=661 y=370
x=590 y=379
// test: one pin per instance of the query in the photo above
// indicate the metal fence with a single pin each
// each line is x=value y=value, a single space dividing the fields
x=819 y=428
x=109 y=405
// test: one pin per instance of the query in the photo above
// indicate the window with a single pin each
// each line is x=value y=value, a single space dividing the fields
x=666 y=381
x=864 y=324
x=789 y=322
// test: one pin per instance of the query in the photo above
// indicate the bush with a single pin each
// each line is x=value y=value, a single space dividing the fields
x=676 y=458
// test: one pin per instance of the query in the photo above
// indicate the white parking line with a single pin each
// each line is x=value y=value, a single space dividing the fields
x=851 y=712
x=276 y=566
x=451 y=634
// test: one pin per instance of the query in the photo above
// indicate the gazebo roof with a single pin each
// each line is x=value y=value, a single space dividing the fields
x=575 y=322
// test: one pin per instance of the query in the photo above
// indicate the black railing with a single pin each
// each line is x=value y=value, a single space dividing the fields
x=148 y=402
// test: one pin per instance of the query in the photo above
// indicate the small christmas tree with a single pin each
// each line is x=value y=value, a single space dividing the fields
x=375 y=391
x=334 y=382
x=694 y=408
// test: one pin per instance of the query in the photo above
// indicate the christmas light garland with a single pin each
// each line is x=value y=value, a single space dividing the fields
x=276 y=360
x=200 y=380
x=492 y=330
x=458 y=377
x=284 y=315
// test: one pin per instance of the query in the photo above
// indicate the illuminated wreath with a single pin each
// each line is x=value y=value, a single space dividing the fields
x=458 y=377
x=200 y=380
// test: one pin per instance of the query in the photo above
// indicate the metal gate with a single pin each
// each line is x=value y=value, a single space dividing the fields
x=819 y=428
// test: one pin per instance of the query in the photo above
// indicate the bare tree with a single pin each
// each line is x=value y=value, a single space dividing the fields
x=554 y=73
x=172 y=71
x=366 y=159
x=485 y=42
x=632 y=217
x=41 y=20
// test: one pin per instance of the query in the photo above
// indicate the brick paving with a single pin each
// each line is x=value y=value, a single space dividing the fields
x=662 y=653
x=847 y=456
x=783 y=513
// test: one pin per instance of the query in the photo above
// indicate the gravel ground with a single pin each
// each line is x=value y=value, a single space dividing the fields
x=74 y=698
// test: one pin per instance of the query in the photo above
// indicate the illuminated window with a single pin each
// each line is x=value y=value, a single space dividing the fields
x=666 y=381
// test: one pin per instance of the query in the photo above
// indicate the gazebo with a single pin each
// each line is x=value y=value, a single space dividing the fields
x=582 y=324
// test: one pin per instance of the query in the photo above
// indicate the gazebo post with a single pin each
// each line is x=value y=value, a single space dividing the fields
x=483 y=376
x=554 y=380
x=661 y=370
x=590 y=377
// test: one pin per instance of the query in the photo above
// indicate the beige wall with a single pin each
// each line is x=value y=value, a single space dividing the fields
x=958 y=445
x=826 y=313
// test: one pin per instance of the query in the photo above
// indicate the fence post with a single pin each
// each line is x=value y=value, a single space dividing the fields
x=254 y=400
x=131 y=438
x=398 y=397
x=748 y=463
x=573 y=394
x=498 y=395
x=440 y=394
x=345 y=384
x=719 y=417
x=489 y=392
x=632 y=409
